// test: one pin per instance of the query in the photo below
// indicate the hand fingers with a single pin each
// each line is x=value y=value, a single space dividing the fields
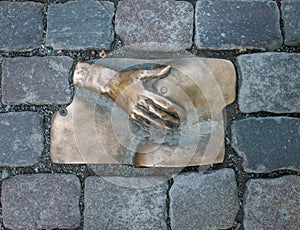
x=154 y=73
x=146 y=119
x=148 y=106
x=167 y=105
x=166 y=117
x=134 y=118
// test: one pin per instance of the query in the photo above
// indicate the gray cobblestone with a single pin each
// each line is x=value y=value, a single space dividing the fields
x=109 y=205
x=272 y=203
x=81 y=24
x=41 y=201
x=21 y=25
x=36 y=80
x=155 y=25
x=268 y=144
x=269 y=82
x=291 y=20
x=21 y=138
x=230 y=24
x=204 y=201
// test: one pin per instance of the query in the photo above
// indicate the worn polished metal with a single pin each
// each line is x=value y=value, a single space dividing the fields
x=156 y=113
x=127 y=89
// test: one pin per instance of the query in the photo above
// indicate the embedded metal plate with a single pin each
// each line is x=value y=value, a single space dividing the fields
x=97 y=127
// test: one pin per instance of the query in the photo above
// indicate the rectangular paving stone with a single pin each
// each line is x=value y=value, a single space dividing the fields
x=204 y=201
x=268 y=144
x=41 y=201
x=21 y=25
x=272 y=203
x=269 y=82
x=237 y=24
x=291 y=21
x=21 y=138
x=125 y=203
x=155 y=25
x=36 y=80
x=81 y=24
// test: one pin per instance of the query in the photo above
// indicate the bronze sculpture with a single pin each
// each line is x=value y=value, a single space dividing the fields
x=127 y=89
x=178 y=104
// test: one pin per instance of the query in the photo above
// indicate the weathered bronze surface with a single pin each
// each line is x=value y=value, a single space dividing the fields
x=127 y=89
x=177 y=106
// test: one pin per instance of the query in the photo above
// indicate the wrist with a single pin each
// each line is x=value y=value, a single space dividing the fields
x=92 y=76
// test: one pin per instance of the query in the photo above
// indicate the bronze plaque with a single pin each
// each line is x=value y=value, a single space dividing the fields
x=155 y=113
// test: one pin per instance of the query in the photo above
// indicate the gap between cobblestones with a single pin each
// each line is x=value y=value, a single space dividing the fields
x=232 y=160
x=281 y=20
x=82 y=171
x=171 y=181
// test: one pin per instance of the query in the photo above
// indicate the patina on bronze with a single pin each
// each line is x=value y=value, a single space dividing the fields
x=127 y=89
x=177 y=103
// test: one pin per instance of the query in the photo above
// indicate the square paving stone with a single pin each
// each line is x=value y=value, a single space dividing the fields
x=269 y=82
x=36 y=80
x=21 y=138
x=204 y=201
x=272 y=203
x=21 y=25
x=41 y=201
x=268 y=144
x=236 y=24
x=291 y=22
x=123 y=203
x=81 y=24
x=155 y=25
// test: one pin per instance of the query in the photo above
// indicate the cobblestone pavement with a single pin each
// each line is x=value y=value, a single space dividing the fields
x=257 y=186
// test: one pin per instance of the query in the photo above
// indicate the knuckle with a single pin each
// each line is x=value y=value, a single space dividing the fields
x=132 y=116
x=132 y=113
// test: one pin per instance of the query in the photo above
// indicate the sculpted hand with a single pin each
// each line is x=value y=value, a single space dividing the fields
x=142 y=105
x=127 y=89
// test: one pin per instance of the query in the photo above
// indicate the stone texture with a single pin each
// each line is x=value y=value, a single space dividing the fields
x=272 y=203
x=81 y=24
x=41 y=201
x=204 y=201
x=235 y=24
x=268 y=144
x=21 y=138
x=118 y=203
x=154 y=24
x=21 y=25
x=269 y=82
x=291 y=21
x=36 y=80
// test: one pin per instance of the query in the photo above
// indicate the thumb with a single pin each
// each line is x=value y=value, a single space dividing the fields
x=154 y=73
